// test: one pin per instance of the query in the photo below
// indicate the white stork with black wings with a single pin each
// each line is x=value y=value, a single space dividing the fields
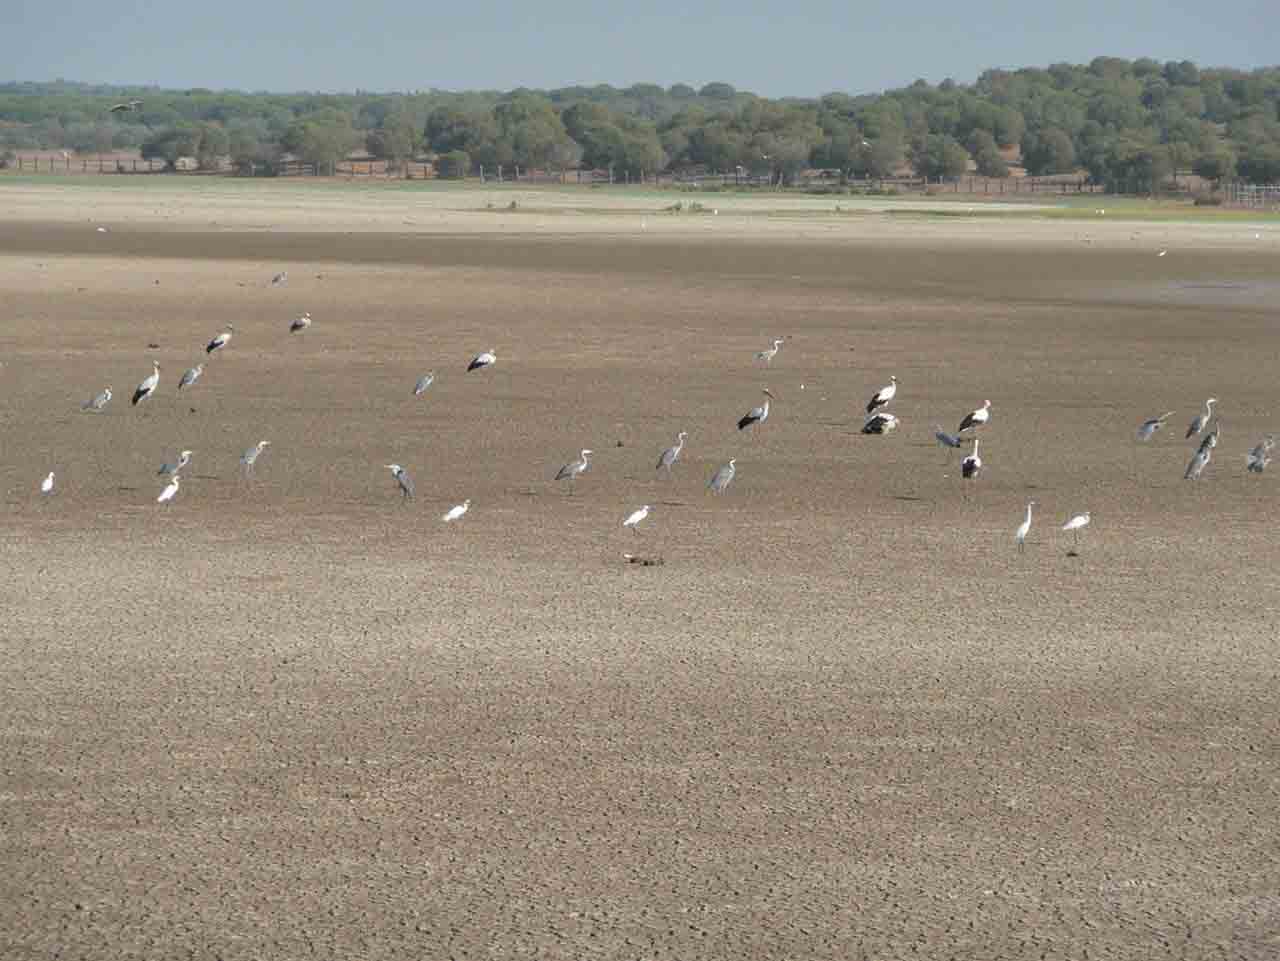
x=220 y=341
x=148 y=385
x=976 y=418
x=482 y=360
x=756 y=415
x=883 y=395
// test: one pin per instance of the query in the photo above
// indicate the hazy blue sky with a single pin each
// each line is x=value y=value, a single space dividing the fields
x=776 y=49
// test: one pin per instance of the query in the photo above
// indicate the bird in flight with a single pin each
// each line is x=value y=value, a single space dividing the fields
x=127 y=107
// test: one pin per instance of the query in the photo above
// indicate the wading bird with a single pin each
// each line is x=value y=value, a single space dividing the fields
x=149 y=385
x=769 y=353
x=1260 y=456
x=1149 y=427
x=168 y=493
x=425 y=381
x=481 y=361
x=635 y=517
x=46 y=485
x=220 y=341
x=280 y=278
x=944 y=439
x=183 y=460
x=571 y=470
x=972 y=463
x=883 y=395
x=976 y=418
x=1020 y=535
x=300 y=323
x=1202 y=418
x=1211 y=439
x=250 y=457
x=880 y=422
x=97 y=404
x=1075 y=524
x=190 y=376
x=723 y=477
x=756 y=415
x=457 y=512
x=405 y=481
x=672 y=453
x=1199 y=461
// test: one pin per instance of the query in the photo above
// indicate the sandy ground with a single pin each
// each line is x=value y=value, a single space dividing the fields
x=294 y=717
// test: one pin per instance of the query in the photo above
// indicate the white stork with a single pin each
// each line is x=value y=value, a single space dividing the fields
x=883 y=395
x=220 y=341
x=300 y=323
x=976 y=418
x=480 y=361
x=148 y=385
x=756 y=415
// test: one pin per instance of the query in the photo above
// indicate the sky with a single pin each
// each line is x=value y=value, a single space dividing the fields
x=774 y=49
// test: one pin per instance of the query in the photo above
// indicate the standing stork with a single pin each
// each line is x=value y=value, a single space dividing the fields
x=672 y=453
x=883 y=395
x=1020 y=535
x=971 y=466
x=1149 y=427
x=425 y=381
x=769 y=353
x=403 y=478
x=170 y=490
x=1201 y=419
x=191 y=376
x=1074 y=525
x=722 y=478
x=280 y=278
x=97 y=404
x=635 y=517
x=571 y=470
x=756 y=415
x=148 y=385
x=976 y=418
x=482 y=360
x=300 y=323
x=250 y=457
x=220 y=341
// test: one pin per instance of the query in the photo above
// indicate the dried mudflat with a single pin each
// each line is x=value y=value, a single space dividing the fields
x=844 y=719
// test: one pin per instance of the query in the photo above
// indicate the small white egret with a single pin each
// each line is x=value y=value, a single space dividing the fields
x=635 y=517
x=457 y=512
x=1020 y=535
x=46 y=485
x=172 y=489
x=425 y=381
x=1075 y=524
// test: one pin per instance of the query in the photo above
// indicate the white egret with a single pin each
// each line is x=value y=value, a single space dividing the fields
x=46 y=485
x=1075 y=524
x=457 y=512
x=1020 y=535
x=635 y=517
x=170 y=491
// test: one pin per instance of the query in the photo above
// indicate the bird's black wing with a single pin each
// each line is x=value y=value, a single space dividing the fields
x=746 y=421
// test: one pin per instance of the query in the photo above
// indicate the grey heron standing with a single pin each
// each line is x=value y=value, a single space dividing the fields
x=945 y=440
x=1199 y=461
x=280 y=278
x=756 y=415
x=97 y=404
x=722 y=478
x=250 y=457
x=220 y=341
x=1149 y=427
x=425 y=381
x=976 y=418
x=190 y=376
x=672 y=453
x=183 y=460
x=883 y=395
x=574 y=468
x=148 y=385
x=1201 y=419
x=769 y=353
x=1260 y=456
x=403 y=478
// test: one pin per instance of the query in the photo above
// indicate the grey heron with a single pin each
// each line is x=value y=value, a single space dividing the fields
x=976 y=418
x=220 y=341
x=190 y=376
x=170 y=490
x=1075 y=524
x=672 y=453
x=1211 y=439
x=1260 y=456
x=280 y=278
x=635 y=517
x=1149 y=427
x=944 y=439
x=756 y=415
x=98 y=404
x=971 y=466
x=403 y=478
x=1199 y=461
x=300 y=323
x=571 y=470
x=457 y=512
x=883 y=395
x=1201 y=419
x=881 y=422
x=769 y=353
x=722 y=478
x=425 y=381
x=250 y=457
x=482 y=360
x=183 y=460
x=1020 y=535
x=46 y=485
x=148 y=385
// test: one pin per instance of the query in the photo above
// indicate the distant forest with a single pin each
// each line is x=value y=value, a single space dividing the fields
x=1130 y=125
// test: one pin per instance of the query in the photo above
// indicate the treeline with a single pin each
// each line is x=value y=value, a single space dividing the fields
x=1130 y=125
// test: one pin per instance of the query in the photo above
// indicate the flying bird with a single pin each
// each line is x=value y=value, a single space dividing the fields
x=172 y=489
x=672 y=453
x=148 y=385
x=300 y=323
x=723 y=477
x=976 y=418
x=1020 y=535
x=97 y=404
x=880 y=422
x=883 y=395
x=405 y=481
x=250 y=457
x=46 y=485
x=1075 y=524
x=1149 y=427
x=127 y=107
x=220 y=341
x=457 y=512
x=425 y=381
x=635 y=517
x=756 y=415
x=972 y=463
x=1260 y=456
x=190 y=376
x=480 y=361
x=571 y=470
x=1201 y=419
x=769 y=353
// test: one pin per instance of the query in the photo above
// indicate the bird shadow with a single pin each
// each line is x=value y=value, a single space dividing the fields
x=911 y=498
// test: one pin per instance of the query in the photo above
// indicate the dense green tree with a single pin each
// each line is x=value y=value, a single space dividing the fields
x=171 y=144
x=986 y=155
x=322 y=138
x=940 y=158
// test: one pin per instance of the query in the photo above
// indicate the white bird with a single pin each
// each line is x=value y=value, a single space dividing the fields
x=148 y=385
x=127 y=107
x=46 y=485
x=300 y=323
x=250 y=457
x=672 y=453
x=406 y=482
x=881 y=422
x=183 y=460
x=96 y=404
x=1260 y=456
x=480 y=361
x=769 y=353
x=280 y=278
x=976 y=418
x=723 y=477
x=1075 y=524
x=883 y=395
x=168 y=493
x=756 y=415
x=1020 y=535
x=635 y=517
x=1199 y=461
x=1149 y=427
x=220 y=341
x=425 y=381
x=1202 y=418
x=972 y=463
x=456 y=512
x=571 y=470
x=190 y=376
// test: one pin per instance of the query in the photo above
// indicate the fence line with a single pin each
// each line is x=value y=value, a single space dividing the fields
x=1253 y=195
